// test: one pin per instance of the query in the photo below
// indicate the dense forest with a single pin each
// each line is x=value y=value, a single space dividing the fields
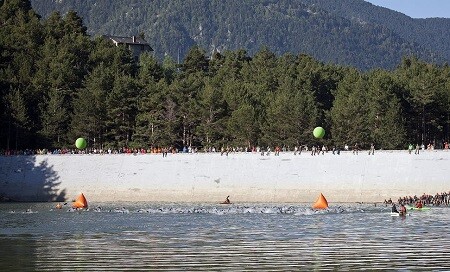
x=58 y=83
x=430 y=33
x=345 y=32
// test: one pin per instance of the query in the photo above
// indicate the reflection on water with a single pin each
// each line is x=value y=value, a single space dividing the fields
x=213 y=237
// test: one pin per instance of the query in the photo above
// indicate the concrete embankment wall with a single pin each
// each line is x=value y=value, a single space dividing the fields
x=246 y=177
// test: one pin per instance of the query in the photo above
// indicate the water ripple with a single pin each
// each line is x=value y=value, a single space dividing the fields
x=339 y=239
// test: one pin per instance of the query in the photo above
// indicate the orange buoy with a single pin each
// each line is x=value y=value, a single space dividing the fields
x=80 y=203
x=321 y=203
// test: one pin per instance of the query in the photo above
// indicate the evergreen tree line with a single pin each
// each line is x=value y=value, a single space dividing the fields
x=346 y=32
x=58 y=84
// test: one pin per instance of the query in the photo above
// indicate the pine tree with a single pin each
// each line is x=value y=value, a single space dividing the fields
x=421 y=84
x=55 y=119
x=18 y=121
x=90 y=107
x=242 y=127
x=387 y=130
x=213 y=111
x=349 y=115
x=20 y=37
x=121 y=110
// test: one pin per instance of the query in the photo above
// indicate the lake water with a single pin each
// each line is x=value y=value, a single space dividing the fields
x=209 y=237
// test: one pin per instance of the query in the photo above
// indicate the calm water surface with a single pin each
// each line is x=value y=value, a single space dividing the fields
x=207 y=237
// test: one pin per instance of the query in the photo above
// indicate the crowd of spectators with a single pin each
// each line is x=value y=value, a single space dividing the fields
x=428 y=200
x=267 y=150
x=68 y=151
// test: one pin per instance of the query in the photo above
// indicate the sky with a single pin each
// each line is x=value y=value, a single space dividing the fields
x=417 y=8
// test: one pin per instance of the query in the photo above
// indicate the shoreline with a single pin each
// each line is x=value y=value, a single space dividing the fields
x=210 y=177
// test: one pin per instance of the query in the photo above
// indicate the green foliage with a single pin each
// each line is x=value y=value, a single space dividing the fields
x=349 y=115
x=195 y=61
x=90 y=111
x=150 y=71
x=242 y=127
x=121 y=110
x=18 y=121
x=345 y=32
x=55 y=119
x=422 y=86
x=213 y=110
x=385 y=114
x=57 y=84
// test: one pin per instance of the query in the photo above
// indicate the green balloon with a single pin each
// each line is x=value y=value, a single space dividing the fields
x=80 y=143
x=319 y=132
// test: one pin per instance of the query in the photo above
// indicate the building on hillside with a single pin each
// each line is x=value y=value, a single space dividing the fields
x=135 y=44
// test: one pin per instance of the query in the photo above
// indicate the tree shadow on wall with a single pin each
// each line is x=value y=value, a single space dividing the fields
x=25 y=178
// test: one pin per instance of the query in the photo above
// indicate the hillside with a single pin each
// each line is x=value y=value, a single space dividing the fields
x=58 y=84
x=350 y=32
x=433 y=33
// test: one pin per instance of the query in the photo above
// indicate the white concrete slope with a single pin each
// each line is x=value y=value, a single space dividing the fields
x=245 y=177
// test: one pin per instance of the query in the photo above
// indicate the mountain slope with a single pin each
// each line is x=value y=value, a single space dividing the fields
x=432 y=33
x=296 y=26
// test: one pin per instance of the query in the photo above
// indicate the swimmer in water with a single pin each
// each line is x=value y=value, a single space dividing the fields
x=227 y=201
x=402 y=210
x=419 y=204
x=58 y=206
x=394 y=208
